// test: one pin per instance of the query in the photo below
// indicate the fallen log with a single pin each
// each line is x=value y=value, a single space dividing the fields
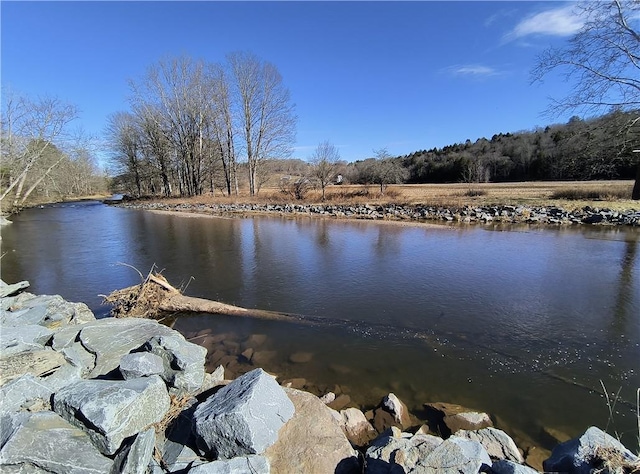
x=156 y=298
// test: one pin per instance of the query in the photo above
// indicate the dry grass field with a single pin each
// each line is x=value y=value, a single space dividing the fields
x=569 y=195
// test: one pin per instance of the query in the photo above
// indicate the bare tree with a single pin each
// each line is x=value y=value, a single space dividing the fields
x=266 y=114
x=123 y=136
x=602 y=60
x=175 y=94
x=386 y=170
x=325 y=160
x=30 y=130
x=475 y=171
x=223 y=125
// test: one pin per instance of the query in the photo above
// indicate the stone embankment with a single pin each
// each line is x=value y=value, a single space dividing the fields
x=482 y=214
x=80 y=395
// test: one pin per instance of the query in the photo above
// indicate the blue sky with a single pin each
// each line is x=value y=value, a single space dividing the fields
x=364 y=75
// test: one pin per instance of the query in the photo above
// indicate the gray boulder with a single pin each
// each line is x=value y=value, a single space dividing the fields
x=498 y=444
x=135 y=457
x=140 y=364
x=504 y=466
x=66 y=336
x=589 y=452
x=21 y=391
x=5 y=289
x=241 y=465
x=242 y=418
x=457 y=456
x=109 y=339
x=66 y=374
x=110 y=411
x=183 y=362
x=179 y=457
x=37 y=362
x=394 y=452
x=312 y=442
x=79 y=357
x=44 y=442
x=15 y=339
x=24 y=316
x=59 y=313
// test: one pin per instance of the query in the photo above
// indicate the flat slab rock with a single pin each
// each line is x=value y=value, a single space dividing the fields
x=110 y=338
x=47 y=441
x=242 y=418
x=38 y=362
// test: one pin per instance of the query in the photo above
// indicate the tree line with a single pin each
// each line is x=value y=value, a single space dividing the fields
x=196 y=127
x=44 y=158
x=598 y=148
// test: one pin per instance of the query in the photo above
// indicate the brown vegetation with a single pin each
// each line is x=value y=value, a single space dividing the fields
x=564 y=194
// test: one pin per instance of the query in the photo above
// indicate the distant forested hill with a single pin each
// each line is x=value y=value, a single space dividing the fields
x=599 y=148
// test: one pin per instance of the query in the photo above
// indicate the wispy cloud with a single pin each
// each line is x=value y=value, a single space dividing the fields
x=498 y=17
x=559 y=21
x=472 y=70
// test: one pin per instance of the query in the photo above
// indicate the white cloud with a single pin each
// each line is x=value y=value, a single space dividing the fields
x=563 y=21
x=475 y=70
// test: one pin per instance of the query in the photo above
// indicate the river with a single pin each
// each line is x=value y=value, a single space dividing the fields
x=524 y=322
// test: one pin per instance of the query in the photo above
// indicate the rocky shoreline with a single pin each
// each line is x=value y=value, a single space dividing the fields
x=81 y=395
x=504 y=214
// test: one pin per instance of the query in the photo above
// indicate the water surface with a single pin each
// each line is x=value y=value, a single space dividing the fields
x=522 y=322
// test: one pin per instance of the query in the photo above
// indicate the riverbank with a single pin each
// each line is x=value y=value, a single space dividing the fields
x=125 y=395
x=487 y=214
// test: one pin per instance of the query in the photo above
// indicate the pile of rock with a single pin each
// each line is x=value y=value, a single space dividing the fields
x=481 y=214
x=80 y=395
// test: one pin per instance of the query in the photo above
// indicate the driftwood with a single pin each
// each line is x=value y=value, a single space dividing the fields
x=156 y=298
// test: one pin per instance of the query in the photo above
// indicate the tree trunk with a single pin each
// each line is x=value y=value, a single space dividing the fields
x=635 y=194
x=39 y=180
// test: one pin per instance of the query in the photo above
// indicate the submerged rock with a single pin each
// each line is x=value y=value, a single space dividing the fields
x=449 y=418
x=391 y=412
